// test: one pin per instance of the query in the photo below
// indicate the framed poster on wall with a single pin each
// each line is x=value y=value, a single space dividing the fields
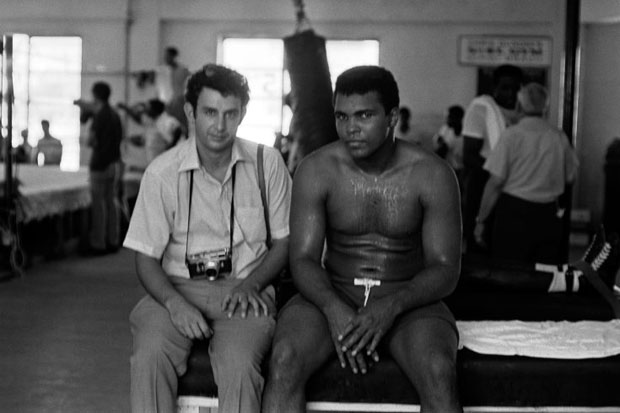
x=488 y=50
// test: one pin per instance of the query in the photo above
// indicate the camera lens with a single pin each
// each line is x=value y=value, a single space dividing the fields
x=212 y=270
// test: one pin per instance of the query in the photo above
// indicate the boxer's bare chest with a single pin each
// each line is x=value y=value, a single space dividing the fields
x=388 y=204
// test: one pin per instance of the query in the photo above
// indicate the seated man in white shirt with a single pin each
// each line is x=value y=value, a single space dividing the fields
x=200 y=238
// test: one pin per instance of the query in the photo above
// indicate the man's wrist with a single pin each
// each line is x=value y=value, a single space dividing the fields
x=252 y=284
x=171 y=301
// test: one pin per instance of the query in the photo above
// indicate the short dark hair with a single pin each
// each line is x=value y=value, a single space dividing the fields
x=365 y=79
x=404 y=112
x=224 y=80
x=45 y=122
x=155 y=108
x=456 y=111
x=173 y=51
x=102 y=91
x=507 y=71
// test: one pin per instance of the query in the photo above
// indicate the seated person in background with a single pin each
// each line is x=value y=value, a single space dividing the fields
x=49 y=149
x=389 y=213
x=404 y=130
x=161 y=131
x=201 y=252
x=448 y=142
x=23 y=152
x=529 y=169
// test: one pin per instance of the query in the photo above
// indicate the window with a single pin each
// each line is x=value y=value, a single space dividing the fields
x=262 y=62
x=47 y=79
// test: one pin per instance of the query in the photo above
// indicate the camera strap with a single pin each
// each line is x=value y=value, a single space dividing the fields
x=232 y=208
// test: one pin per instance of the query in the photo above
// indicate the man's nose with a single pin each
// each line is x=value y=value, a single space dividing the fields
x=352 y=125
x=221 y=123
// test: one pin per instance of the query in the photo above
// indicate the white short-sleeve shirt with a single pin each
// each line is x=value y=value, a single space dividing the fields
x=534 y=159
x=484 y=119
x=159 y=222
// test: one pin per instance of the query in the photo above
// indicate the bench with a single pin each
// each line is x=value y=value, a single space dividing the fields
x=486 y=382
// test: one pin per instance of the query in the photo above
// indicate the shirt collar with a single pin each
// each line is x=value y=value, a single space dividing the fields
x=190 y=160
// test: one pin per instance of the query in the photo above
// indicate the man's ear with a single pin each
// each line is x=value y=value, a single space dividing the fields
x=189 y=112
x=393 y=117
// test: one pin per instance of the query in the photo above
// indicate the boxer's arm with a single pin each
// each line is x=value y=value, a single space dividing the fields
x=441 y=241
x=307 y=235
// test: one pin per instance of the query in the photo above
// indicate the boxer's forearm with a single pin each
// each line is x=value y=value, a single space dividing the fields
x=313 y=283
x=428 y=286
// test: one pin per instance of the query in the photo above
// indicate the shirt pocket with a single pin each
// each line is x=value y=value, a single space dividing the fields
x=251 y=224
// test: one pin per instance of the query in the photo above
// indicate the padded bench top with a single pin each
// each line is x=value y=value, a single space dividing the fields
x=484 y=380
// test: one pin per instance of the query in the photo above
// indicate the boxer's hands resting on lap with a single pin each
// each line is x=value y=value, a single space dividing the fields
x=339 y=316
x=243 y=296
x=366 y=329
x=188 y=319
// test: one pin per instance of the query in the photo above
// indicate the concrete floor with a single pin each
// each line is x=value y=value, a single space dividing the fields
x=64 y=335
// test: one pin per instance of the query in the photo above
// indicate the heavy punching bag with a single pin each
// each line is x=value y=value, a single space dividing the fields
x=312 y=125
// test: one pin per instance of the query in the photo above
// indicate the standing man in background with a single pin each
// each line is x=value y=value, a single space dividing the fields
x=485 y=119
x=170 y=81
x=529 y=169
x=106 y=134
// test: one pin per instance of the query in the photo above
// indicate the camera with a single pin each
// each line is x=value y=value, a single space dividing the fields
x=209 y=264
x=87 y=109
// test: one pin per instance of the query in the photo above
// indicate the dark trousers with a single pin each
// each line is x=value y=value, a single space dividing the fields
x=526 y=232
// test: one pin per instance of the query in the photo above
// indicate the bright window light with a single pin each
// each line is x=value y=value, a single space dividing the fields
x=47 y=79
x=55 y=82
x=261 y=60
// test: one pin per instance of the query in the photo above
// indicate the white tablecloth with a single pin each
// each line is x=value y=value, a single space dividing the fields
x=44 y=191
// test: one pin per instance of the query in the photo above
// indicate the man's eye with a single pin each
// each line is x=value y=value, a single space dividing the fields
x=340 y=116
x=232 y=115
x=210 y=112
x=365 y=115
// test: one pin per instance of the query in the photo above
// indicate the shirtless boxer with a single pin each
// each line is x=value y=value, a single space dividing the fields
x=389 y=213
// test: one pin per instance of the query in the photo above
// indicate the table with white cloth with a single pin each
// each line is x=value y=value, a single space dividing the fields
x=51 y=207
x=44 y=191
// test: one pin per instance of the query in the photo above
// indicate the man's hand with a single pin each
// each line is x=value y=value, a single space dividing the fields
x=243 y=296
x=367 y=328
x=479 y=231
x=339 y=315
x=188 y=319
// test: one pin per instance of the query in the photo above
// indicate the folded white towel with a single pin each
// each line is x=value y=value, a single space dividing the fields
x=545 y=339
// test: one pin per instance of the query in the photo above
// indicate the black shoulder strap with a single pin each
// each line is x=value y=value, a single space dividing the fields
x=263 y=192
x=599 y=286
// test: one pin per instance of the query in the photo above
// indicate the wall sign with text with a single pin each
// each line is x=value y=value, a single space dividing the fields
x=498 y=50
